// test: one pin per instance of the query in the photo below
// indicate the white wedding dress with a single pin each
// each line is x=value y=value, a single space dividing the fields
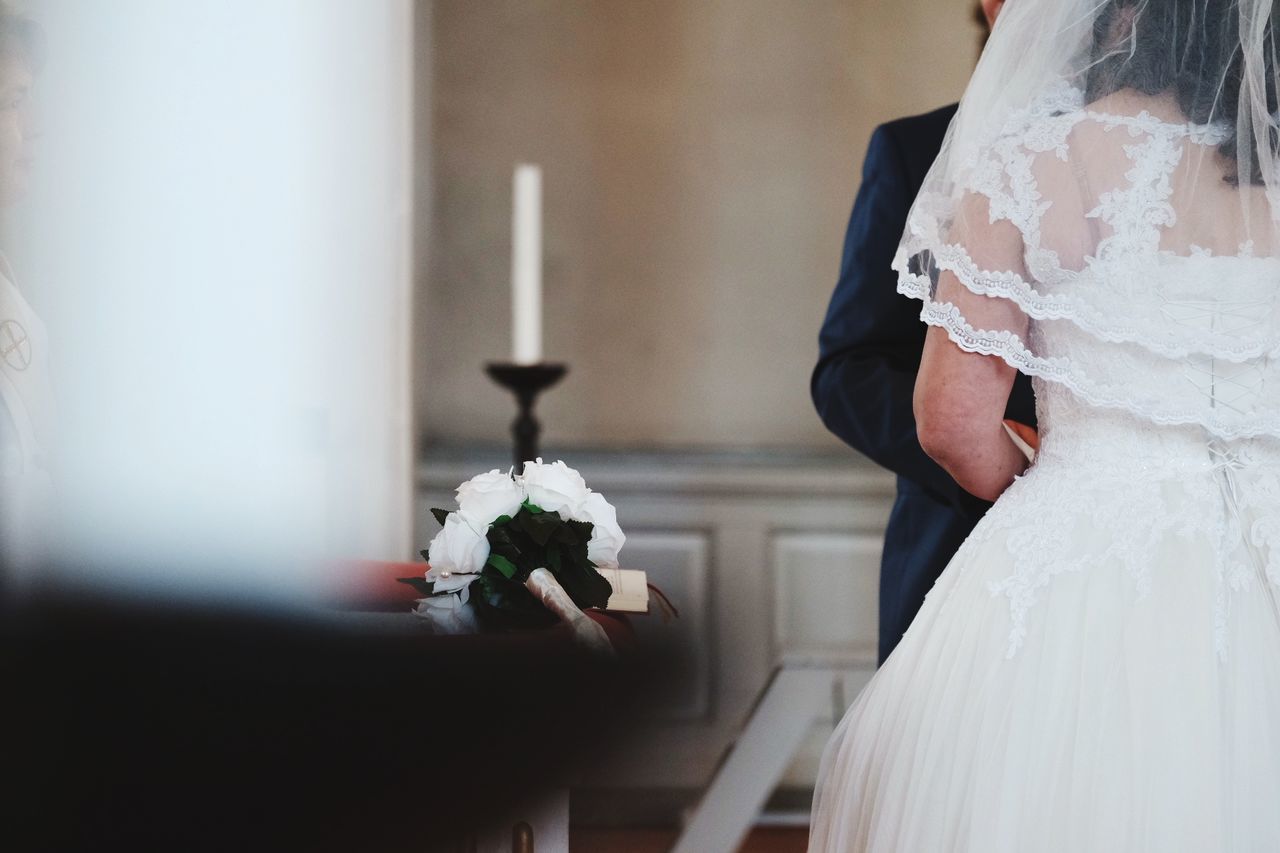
x=1098 y=668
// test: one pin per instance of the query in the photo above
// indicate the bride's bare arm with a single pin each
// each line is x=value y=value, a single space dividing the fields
x=960 y=400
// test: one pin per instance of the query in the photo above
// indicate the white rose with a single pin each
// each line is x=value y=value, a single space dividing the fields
x=448 y=614
x=555 y=487
x=607 y=537
x=486 y=496
x=458 y=549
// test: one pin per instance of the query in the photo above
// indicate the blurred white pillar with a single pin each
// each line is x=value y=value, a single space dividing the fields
x=219 y=240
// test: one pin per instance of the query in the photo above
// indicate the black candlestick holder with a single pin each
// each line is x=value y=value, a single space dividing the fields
x=526 y=381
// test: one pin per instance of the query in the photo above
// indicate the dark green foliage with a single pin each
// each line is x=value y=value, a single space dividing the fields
x=536 y=538
x=422 y=585
x=503 y=565
x=503 y=603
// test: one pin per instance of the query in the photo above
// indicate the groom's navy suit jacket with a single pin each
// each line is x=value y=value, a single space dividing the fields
x=869 y=352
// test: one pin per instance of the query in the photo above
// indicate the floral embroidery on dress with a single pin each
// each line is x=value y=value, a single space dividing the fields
x=1066 y=491
x=1129 y=340
x=1111 y=297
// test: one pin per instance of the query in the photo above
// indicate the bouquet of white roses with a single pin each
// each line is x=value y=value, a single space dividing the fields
x=516 y=546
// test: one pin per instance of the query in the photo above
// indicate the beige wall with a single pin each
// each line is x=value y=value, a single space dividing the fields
x=700 y=158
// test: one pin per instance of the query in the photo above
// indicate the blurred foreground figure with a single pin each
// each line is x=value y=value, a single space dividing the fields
x=26 y=400
x=1098 y=666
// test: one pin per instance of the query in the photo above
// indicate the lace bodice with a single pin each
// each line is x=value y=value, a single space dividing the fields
x=1063 y=253
x=1108 y=486
x=1100 y=251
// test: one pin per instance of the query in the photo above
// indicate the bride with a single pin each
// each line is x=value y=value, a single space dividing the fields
x=1098 y=668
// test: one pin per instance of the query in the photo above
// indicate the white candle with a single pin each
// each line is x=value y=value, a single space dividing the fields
x=526 y=265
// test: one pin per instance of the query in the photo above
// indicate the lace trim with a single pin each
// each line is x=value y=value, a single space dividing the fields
x=1145 y=122
x=1105 y=324
x=1136 y=212
x=1008 y=346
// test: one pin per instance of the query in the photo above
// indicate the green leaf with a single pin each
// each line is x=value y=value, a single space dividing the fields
x=425 y=555
x=596 y=590
x=440 y=514
x=422 y=585
x=497 y=534
x=532 y=507
x=502 y=543
x=583 y=529
x=502 y=564
x=502 y=519
x=578 y=575
x=540 y=527
x=499 y=602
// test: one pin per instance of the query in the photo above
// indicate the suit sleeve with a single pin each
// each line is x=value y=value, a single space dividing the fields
x=872 y=338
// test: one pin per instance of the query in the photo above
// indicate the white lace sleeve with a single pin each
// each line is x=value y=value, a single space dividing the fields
x=1054 y=245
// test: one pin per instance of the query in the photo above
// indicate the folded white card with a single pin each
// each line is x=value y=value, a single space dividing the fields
x=630 y=590
x=1027 y=450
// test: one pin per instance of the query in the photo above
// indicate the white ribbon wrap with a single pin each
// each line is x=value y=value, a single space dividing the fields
x=586 y=631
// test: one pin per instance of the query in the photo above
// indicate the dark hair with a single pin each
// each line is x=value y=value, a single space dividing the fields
x=1189 y=48
x=22 y=34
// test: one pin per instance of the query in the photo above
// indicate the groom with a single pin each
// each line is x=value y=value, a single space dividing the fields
x=869 y=352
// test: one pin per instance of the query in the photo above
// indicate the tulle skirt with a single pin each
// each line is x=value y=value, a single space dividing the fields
x=1097 y=669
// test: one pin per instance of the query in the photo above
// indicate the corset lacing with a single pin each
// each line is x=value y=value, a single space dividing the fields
x=1226 y=462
